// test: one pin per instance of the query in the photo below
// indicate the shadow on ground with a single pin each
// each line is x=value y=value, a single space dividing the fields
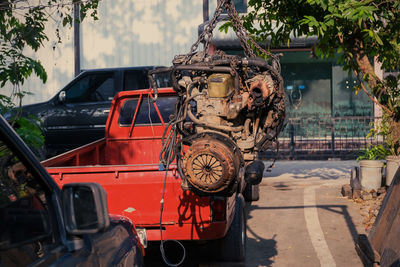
x=325 y=170
x=254 y=256
x=341 y=210
x=260 y=251
x=201 y=254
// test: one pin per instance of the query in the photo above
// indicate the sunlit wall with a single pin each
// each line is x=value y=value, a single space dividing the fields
x=128 y=33
x=140 y=32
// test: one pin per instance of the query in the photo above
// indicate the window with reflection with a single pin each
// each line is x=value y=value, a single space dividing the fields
x=92 y=88
x=147 y=113
x=25 y=228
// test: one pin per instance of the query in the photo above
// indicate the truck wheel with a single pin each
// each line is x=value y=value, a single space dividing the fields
x=251 y=192
x=233 y=246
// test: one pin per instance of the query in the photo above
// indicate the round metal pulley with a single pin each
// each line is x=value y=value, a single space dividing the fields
x=210 y=165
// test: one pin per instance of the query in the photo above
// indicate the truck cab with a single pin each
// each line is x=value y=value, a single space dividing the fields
x=77 y=114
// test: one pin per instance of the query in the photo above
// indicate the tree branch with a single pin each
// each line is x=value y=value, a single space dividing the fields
x=373 y=99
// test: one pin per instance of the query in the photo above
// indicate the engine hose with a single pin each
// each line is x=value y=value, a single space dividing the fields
x=153 y=86
x=165 y=144
x=276 y=156
x=210 y=68
x=166 y=139
x=166 y=261
x=160 y=70
x=247 y=127
x=179 y=165
x=216 y=65
x=263 y=64
x=214 y=126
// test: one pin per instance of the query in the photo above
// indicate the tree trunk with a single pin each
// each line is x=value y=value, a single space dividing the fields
x=378 y=89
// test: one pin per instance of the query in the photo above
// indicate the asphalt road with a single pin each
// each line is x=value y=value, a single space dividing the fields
x=300 y=220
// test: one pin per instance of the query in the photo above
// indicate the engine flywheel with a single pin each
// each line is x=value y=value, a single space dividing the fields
x=210 y=165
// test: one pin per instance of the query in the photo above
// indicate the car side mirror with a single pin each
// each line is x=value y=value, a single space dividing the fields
x=85 y=208
x=62 y=96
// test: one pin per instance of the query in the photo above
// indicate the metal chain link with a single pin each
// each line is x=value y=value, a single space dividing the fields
x=240 y=31
x=238 y=28
x=207 y=33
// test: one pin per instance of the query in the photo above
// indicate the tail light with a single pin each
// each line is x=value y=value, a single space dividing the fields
x=218 y=209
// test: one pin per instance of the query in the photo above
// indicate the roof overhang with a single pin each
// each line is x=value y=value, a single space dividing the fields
x=229 y=40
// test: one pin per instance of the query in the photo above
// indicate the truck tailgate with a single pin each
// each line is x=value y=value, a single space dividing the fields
x=135 y=191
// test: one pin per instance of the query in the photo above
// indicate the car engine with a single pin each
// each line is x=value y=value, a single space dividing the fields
x=229 y=109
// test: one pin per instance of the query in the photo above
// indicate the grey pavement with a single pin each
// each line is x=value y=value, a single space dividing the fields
x=304 y=169
x=301 y=218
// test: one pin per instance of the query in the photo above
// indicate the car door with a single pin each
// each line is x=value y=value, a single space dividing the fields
x=28 y=222
x=32 y=225
x=80 y=112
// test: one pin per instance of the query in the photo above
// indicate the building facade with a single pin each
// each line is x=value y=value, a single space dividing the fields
x=326 y=116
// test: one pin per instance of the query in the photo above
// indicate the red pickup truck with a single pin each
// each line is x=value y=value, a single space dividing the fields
x=126 y=164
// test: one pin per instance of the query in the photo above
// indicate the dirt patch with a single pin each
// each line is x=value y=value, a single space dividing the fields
x=369 y=203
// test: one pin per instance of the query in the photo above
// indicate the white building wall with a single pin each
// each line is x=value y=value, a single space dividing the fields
x=140 y=32
x=57 y=59
x=128 y=33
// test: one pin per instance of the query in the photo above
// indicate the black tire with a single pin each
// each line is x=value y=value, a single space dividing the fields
x=251 y=192
x=233 y=246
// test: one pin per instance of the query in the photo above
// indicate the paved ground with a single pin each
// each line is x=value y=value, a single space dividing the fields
x=300 y=220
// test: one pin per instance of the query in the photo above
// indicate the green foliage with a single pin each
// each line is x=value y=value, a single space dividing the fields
x=28 y=128
x=30 y=131
x=378 y=152
x=339 y=25
x=22 y=25
x=385 y=128
x=355 y=30
x=22 y=28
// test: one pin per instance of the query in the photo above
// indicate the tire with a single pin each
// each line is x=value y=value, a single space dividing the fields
x=251 y=192
x=233 y=246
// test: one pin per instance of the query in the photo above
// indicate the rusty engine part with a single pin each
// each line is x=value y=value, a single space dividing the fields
x=211 y=162
x=229 y=108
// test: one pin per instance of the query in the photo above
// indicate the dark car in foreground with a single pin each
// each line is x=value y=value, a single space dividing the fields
x=77 y=114
x=43 y=225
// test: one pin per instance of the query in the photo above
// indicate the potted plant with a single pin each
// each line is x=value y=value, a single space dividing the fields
x=371 y=165
x=385 y=128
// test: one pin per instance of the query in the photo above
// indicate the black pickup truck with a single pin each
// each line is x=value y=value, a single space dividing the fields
x=40 y=225
x=77 y=114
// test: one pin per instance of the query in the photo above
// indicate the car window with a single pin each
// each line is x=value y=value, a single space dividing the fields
x=92 y=88
x=127 y=112
x=25 y=229
x=147 y=113
x=135 y=79
x=163 y=79
x=106 y=90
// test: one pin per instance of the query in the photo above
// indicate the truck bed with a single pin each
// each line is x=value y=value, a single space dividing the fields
x=134 y=184
x=126 y=164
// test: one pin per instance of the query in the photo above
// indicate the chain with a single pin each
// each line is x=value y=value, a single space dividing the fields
x=242 y=33
x=240 y=30
x=207 y=33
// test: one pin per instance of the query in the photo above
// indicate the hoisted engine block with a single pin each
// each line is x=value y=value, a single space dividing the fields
x=225 y=116
x=229 y=109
